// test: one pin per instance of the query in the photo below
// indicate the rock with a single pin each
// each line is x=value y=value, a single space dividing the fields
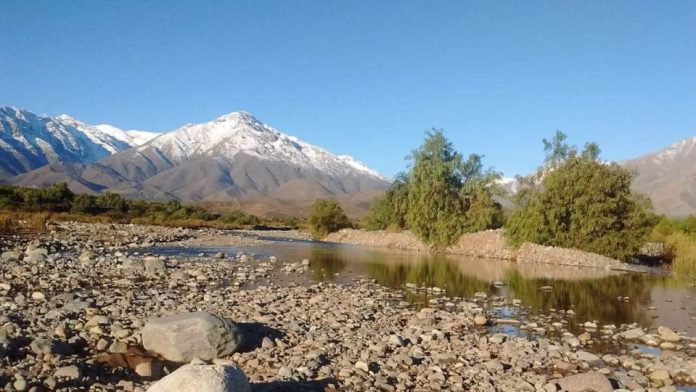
x=44 y=346
x=667 y=335
x=38 y=296
x=589 y=358
x=152 y=369
x=69 y=372
x=480 y=320
x=20 y=385
x=183 y=337
x=585 y=382
x=204 y=378
x=633 y=334
x=154 y=264
x=219 y=255
x=659 y=377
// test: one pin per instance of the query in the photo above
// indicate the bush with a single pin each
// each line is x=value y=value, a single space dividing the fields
x=327 y=217
x=449 y=196
x=239 y=218
x=581 y=203
x=390 y=210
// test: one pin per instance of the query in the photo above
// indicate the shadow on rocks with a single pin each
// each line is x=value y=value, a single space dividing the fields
x=295 y=386
x=254 y=333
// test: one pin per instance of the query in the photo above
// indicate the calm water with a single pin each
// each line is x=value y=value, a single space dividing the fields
x=593 y=294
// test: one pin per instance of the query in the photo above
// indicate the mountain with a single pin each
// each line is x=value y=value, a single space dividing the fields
x=668 y=177
x=29 y=141
x=234 y=157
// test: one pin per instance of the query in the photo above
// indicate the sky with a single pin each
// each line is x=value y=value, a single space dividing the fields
x=367 y=78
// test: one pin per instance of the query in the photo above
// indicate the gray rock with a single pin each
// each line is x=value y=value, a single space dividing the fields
x=204 y=378
x=154 y=264
x=585 y=382
x=69 y=372
x=183 y=337
x=589 y=358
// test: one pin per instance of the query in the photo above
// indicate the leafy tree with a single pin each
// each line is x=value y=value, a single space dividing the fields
x=57 y=196
x=390 y=210
x=327 y=217
x=580 y=202
x=239 y=218
x=84 y=204
x=448 y=195
x=113 y=202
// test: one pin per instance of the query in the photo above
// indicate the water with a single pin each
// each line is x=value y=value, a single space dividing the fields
x=652 y=299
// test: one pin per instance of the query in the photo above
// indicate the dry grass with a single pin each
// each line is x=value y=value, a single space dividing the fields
x=18 y=222
x=683 y=249
x=9 y=223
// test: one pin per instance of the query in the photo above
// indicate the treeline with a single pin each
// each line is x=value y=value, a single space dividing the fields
x=573 y=200
x=61 y=201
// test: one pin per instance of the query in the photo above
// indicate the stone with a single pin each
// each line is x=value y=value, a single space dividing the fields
x=185 y=336
x=667 y=335
x=585 y=382
x=45 y=346
x=20 y=385
x=480 y=320
x=152 y=369
x=203 y=378
x=154 y=264
x=633 y=334
x=70 y=372
x=589 y=358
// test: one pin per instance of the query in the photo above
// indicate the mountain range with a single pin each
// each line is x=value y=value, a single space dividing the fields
x=234 y=157
x=237 y=158
x=668 y=177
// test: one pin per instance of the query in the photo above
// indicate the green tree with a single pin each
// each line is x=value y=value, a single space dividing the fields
x=113 y=202
x=580 y=202
x=327 y=217
x=390 y=210
x=84 y=204
x=448 y=195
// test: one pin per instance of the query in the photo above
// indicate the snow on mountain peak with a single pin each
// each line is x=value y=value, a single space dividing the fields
x=241 y=132
x=674 y=151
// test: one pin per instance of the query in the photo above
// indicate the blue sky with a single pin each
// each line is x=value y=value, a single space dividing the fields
x=367 y=78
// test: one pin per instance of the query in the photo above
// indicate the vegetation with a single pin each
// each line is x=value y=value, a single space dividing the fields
x=679 y=237
x=442 y=196
x=327 y=217
x=577 y=201
x=27 y=209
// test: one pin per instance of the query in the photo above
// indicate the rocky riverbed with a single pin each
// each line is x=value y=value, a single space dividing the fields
x=80 y=310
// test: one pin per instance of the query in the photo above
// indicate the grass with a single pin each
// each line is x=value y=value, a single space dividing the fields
x=683 y=249
x=17 y=222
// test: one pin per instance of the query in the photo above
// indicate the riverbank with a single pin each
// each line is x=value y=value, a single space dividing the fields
x=76 y=301
x=488 y=244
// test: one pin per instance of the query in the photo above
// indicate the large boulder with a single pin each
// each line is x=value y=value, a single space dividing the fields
x=185 y=336
x=585 y=382
x=197 y=377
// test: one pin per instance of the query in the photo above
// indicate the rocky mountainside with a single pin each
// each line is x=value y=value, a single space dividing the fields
x=233 y=157
x=668 y=176
x=29 y=141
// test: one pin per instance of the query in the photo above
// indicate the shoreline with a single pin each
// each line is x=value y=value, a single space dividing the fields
x=75 y=295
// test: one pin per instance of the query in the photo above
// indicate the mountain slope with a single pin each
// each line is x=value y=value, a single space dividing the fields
x=29 y=141
x=233 y=157
x=668 y=176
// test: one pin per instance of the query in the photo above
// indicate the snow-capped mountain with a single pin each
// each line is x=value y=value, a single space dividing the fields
x=241 y=133
x=668 y=177
x=29 y=141
x=234 y=156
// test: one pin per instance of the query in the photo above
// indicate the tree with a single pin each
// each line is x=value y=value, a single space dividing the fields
x=113 y=202
x=390 y=210
x=580 y=202
x=327 y=217
x=447 y=195
x=84 y=204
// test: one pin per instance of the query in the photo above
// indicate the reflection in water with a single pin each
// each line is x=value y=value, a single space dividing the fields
x=591 y=293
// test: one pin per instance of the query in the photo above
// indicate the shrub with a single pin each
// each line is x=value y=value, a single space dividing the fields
x=390 y=210
x=581 y=203
x=448 y=195
x=327 y=217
